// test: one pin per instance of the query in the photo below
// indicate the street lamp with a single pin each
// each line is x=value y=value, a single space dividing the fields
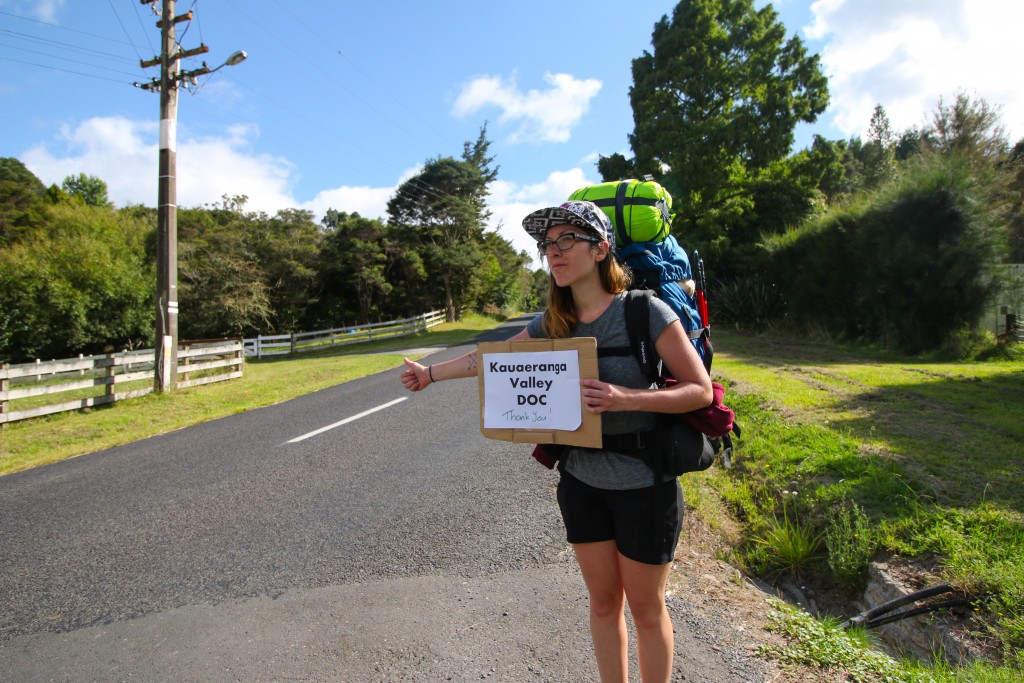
x=166 y=353
x=236 y=57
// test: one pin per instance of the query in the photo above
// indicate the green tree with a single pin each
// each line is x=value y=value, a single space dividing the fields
x=538 y=296
x=80 y=285
x=971 y=128
x=442 y=211
x=504 y=279
x=908 y=143
x=1015 y=222
x=287 y=249
x=926 y=252
x=823 y=165
x=353 y=284
x=13 y=170
x=88 y=188
x=715 y=105
x=222 y=289
x=22 y=212
x=22 y=204
x=878 y=154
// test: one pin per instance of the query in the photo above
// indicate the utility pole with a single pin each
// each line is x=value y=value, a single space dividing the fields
x=166 y=354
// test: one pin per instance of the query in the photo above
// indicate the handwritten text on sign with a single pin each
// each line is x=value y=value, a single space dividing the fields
x=536 y=390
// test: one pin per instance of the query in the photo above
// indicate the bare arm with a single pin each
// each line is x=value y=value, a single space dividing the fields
x=691 y=391
x=417 y=376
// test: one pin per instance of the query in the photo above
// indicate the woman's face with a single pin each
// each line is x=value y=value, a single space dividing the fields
x=581 y=258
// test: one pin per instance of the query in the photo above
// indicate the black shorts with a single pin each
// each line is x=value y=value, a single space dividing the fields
x=644 y=523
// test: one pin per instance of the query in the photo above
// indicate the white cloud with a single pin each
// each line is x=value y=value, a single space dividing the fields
x=907 y=55
x=44 y=10
x=510 y=202
x=543 y=116
x=125 y=155
x=368 y=202
x=113 y=149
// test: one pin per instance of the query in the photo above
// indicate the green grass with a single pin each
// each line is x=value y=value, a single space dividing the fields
x=38 y=441
x=787 y=544
x=930 y=451
x=849 y=655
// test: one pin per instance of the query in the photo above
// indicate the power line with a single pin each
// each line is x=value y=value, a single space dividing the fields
x=17 y=35
x=305 y=58
x=143 y=27
x=111 y=3
x=188 y=25
x=64 y=28
x=67 y=71
x=354 y=95
x=66 y=59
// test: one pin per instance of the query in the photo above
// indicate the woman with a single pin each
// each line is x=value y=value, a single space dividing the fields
x=623 y=524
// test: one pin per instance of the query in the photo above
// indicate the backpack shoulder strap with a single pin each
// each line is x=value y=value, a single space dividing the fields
x=638 y=327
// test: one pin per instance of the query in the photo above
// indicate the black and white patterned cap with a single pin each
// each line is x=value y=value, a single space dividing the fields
x=582 y=214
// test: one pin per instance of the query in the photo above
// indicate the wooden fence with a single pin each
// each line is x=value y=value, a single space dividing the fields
x=96 y=380
x=283 y=344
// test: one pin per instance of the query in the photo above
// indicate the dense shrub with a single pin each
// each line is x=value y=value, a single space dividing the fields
x=908 y=266
x=78 y=286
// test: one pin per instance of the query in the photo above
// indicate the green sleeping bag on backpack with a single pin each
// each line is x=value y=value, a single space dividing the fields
x=640 y=210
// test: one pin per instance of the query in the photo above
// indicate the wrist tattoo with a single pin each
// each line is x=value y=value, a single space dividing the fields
x=472 y=361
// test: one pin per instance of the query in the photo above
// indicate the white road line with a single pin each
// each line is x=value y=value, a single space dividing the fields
x=348 y=419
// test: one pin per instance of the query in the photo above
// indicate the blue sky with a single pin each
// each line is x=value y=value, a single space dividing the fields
x=338 y=103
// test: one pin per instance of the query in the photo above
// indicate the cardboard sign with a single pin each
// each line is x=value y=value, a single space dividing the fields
x=530 y=392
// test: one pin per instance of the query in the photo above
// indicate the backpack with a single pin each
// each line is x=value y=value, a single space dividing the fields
x=640 y=210
x=641 y=213
x=717 y=421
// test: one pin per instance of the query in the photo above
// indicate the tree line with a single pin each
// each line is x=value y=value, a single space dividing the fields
x=896 y=238
x=78 y=275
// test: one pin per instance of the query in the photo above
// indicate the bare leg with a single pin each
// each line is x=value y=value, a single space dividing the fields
x=644 y=585
x=599 y=564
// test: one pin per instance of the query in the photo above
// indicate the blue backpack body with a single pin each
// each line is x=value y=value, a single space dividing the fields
x=661 y=266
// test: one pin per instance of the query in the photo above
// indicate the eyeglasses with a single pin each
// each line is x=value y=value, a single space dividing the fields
x=564 y=242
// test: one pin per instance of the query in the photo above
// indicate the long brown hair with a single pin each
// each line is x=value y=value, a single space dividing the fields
x=560 y=318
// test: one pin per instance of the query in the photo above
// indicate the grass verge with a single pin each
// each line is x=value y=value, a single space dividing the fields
x=43 y=440
x=924 y=458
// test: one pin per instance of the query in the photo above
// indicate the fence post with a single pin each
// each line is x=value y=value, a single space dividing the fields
x=111 y=375
x=293 y=343
x=5 y=405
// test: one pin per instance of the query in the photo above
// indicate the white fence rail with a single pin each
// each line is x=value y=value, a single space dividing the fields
x=95 y=380
x=284 y=344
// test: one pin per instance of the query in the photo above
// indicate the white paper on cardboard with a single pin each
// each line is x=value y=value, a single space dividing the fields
x=536 y=390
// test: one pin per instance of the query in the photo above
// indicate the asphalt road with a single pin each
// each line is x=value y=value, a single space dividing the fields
x=399 y=546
